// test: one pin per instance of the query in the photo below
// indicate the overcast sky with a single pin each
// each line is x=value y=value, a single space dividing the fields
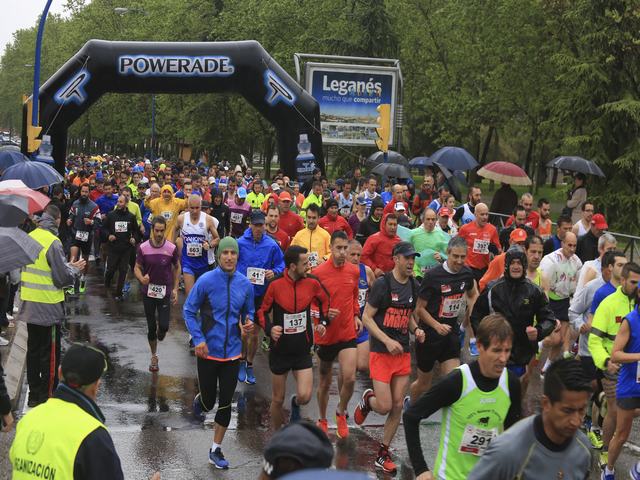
x=17 y=14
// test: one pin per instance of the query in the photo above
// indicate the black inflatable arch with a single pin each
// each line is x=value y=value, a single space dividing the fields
x=169 y=67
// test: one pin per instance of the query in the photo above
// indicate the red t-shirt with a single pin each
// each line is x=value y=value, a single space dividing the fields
x=478 y=240
x=532 y=220
x=339 y=223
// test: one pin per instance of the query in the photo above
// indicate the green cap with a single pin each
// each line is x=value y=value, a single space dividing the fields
x=227 y=243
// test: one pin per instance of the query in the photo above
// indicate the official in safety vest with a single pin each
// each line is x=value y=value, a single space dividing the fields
x=65 y=438
x=42 y=305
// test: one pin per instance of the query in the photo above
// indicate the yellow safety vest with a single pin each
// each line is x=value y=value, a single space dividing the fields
x=36 y=279
x=47 y=440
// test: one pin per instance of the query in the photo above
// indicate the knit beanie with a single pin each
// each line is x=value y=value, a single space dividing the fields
x=227 y=243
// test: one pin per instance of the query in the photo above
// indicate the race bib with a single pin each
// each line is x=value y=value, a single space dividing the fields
x=314 y=259
x=150 y=218
x=256 y=275
x=476 y=440
x=295 y=323
x=167 y=215
x=451 y=306
x=121 y=227
x=194 y=249
x=481 y=246
x=362 y=297
x=82 y=236
x=236 y=217
x=156 y=291
x=345 y=211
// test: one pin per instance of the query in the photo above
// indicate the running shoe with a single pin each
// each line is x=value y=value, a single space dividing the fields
x=363 y=408
x=242 y=372
x=607 y=476
x=323 y=425
x=473 y=348
x=83 y=287
x=198 y=411
x=384 y=462
x=342 y=429
x=634 y=473
x=9 y=317
x=217 y=459
x=3 y=342
x=265 y=343
x=406 y=403
x=603 y=458
x=251 y=378
x=127 y=287
x=596 y=439
x=295 y=410
x=153 y=366
x=603 y=404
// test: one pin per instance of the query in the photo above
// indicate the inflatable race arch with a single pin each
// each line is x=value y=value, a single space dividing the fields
x=241 y=67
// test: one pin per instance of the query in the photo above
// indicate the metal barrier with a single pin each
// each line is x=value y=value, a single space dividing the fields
x=630 y=242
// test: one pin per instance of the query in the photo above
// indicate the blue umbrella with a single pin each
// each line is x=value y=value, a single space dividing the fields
x=9 y=158
x=34 y=174
x=420 y=162
x=454 y=158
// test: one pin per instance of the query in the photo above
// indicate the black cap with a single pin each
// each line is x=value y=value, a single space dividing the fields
x=257 y=217
x=332 y=203
x=301 y=441
x=405 y=249
x=82 y=365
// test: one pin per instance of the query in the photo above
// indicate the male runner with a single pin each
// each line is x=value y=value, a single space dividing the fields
x=389 y=317
x=273 y=229
x=158 y=271
x=340 y=278
x=367 y=277
x=122 y=231
x=83 y=217
x=444 y=293
x=482 y=239
x=288 y=299
x=479 y=400
x=168 y=206
x=313 y=237
x=217 y=312
x=467 y=213
x=430 y=242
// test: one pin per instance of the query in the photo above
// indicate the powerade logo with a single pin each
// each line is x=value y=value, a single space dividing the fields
x=74 y=90
x=277 y=90
x=174 y=66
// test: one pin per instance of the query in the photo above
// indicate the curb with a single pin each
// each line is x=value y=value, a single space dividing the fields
x=15 y=364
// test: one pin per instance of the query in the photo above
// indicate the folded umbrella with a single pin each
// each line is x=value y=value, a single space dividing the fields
x=392 y=157
x=13 y=210
x=391 y=170
x=8 y=158
x=576 y=164
x=17 y=249
x=37 y=200
x=505 y=172
x=33 y=174
x=454 y=158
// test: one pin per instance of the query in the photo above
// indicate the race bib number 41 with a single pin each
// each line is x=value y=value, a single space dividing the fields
x=295 y=323
x=256 y=275
x=476 y=440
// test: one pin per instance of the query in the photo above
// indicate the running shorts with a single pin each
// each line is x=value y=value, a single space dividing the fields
x=590 y=368
x=628 y=403
x=560 y=309
x=384 y=366
x=328 y=353
x=192 y=270
x=363 y=337
x=85 y=247
x=437 y=348
x=609 y=384
x=280 y=364
x=517 y=370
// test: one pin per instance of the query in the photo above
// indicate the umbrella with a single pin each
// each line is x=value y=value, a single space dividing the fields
x=420 y=162
x=576 y=164
x=454 y=158
x=13 y=210
x=33 y=174
x=391 y=170
x=10 y=147
x=9 y=158
x=17 y=249
x=505 y=172
x=37 y=200
x=452 y=177
x=392 y=157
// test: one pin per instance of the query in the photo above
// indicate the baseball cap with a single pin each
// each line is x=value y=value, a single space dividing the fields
x=82 y=365
x=599 y=222
x=400 y=207
x=257 y=217
x=339 y=181
x=361 y=201
x=518 y=235
x=275 y=187
x=285 y=196
x=445 y=212
x=212 y=180
x=405 y=249
x=300 y=441
x=242 y=192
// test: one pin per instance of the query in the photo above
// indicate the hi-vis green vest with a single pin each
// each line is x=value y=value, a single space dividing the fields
x=36 y=279
x=47 y=440
x=469 y=425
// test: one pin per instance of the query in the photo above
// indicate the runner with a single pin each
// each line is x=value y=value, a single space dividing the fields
x=365 y=282
x=158 y=271
x=220 y=211
x=345 y=201
x=227 y=298
x=260 y=260
x=496 y=267
x=274 y=231
x=563 y=226
x=239 y=211
x=371 y=224
x=548 y=445
x=544 y=224
x=424 y=197
x=443 y=193
x=314 y=238
x=591 y=268
x=398 y=198
x=168 y=207
x=520 y=220
x=442 y=297
x=479 y=400
x=583 y=225
x=289 y=221
x=340 y=278
x=377 y=250
x=531 y=217
x=358 y=216
x=84 y=216
x=430 y=242
x=389 y=316
x=466 y=213
x=313 y=198
x=288 y=298
x=332 y=222
x=370 y=194
x=482 y=239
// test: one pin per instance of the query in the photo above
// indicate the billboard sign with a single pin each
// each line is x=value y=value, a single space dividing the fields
x=348 y=96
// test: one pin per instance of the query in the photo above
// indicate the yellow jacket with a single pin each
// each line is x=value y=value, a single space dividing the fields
x=169 y=210
x=314 y=241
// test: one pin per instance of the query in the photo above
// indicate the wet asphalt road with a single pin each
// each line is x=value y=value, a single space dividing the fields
x=149 y=415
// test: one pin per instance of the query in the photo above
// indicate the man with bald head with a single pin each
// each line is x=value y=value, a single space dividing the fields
x=398 y=197
x=482 y=241
x=561 y=268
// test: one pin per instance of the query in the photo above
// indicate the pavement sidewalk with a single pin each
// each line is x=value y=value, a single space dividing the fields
x=14 y=358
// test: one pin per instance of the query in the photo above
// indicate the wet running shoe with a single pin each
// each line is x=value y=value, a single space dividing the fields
x=265 y=343
x=198 y=411
x=295 y=410
x=83 y=286
x=242 y=372
x=607 y=476
x=603 y=459
x=363 y=408
x=406 y=403
x=217 y=459
x=634 y=473
x=384 y=462
x=251 y=378
x=153 y=366
x=342 y=429
x=323 y=425
x=596 y=439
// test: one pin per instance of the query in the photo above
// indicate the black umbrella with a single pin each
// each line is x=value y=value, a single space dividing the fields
x=392 y=157
x=13 y=210
x=452 y=179
x=391 y=170
x=455 y=158
x=576 y=164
